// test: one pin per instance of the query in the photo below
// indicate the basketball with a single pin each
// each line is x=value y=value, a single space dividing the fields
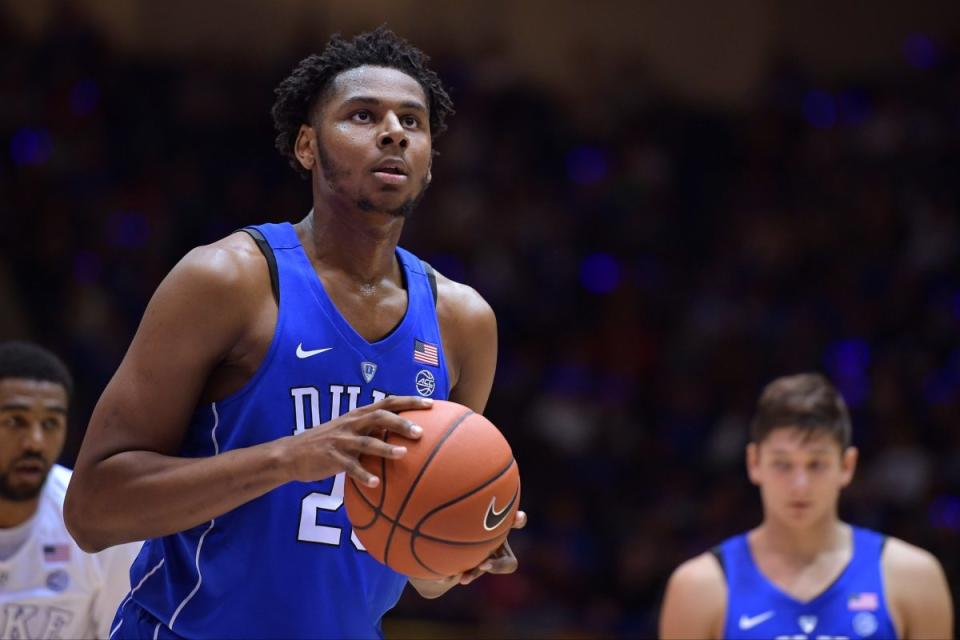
x=447 y=504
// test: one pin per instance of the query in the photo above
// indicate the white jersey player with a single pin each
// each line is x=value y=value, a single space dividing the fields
x=49 y=587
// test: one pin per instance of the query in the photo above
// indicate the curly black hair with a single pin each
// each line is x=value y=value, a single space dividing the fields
x=299 y=92
x=33 y=362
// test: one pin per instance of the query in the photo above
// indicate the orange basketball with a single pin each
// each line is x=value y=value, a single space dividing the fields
x=447 y=504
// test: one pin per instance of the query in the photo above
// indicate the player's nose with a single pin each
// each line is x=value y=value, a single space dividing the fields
x=800 y=480
x=33 y=437
x=392 y=132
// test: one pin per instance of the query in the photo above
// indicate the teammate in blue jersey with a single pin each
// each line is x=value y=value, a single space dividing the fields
x=803 y=573
x=269 y=361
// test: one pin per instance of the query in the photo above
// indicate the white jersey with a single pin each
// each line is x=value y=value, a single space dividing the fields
x=50 y=588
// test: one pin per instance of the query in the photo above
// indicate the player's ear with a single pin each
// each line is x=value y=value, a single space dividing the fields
x=848 y=465
x=305 y=147
x=753 y=463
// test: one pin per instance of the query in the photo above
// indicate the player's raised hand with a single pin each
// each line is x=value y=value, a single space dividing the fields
x=337 y=445
x=502 y=560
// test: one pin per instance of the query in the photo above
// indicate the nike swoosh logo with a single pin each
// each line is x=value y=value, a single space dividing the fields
x=749 y=622
x=495 y=518
x=306 y=354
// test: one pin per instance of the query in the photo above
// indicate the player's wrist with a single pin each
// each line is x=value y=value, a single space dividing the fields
x=280 y=460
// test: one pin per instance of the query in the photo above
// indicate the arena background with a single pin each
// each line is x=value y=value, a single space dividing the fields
x=666 y=203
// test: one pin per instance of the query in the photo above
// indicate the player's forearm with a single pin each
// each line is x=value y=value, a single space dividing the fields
x=134 y=495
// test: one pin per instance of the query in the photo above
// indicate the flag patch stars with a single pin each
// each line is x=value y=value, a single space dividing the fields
x=426 y=353
x=56 y=552
x=863 y=602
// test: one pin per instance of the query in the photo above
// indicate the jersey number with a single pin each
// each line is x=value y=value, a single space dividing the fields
x=310 y=531
x=306 y=404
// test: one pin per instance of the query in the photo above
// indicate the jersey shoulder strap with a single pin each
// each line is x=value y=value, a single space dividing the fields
x=267 y=252
x=432 y=278
x=717 y=552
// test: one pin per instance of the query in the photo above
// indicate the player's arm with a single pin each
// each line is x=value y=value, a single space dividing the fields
x=917 y=591
x=695 y=600
x=469 y=330
x=129 y=483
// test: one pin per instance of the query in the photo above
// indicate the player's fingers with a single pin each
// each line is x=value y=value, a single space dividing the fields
x=504 y=564
x=502 y=560
x=369 y=445
x=520 y=520
x=469 y=576
x=355 y=470
x=396 y=404
x=383 y=420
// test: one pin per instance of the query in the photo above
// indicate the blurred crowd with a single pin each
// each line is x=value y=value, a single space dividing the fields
x=652 y=265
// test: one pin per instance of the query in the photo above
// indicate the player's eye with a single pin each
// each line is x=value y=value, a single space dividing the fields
x=362 y=116
x=52 y=424
x=410 y=121
x=12 y=421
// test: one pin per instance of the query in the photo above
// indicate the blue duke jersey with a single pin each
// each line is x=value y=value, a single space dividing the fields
x=287 y=564
x=853 y=607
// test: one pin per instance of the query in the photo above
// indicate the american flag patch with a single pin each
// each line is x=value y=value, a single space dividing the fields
x=426 y=353
x=56 y=552
x=863 y=602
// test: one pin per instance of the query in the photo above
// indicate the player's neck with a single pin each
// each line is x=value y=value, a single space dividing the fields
x=801 y=544
x=361 y=244
x=16 y=512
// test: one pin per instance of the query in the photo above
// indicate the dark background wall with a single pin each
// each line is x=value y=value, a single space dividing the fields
x=667 y=204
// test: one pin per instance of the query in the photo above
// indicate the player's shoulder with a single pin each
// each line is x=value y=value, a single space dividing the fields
x=695 y=601
x=226 y=261
x=461 y=302
x=227 y=271
x=701 y=574
x=905 y=562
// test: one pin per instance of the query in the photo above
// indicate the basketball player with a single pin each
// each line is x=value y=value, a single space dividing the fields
x=268 y=362
x=803 y=573
x=49 y=588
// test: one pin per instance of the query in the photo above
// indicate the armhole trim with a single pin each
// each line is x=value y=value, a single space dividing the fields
x=717 y=552
x=271 y=259
x=432 y=278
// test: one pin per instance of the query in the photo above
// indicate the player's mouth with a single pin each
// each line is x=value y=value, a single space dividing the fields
x=392 y=171
x=30 y=469
x=799 y=506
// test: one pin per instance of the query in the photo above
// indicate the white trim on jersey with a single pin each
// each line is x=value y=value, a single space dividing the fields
x=133 y=591
x=216 y=449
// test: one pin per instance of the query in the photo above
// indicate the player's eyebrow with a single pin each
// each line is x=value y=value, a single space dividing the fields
x=17 y=406
x=376 y=102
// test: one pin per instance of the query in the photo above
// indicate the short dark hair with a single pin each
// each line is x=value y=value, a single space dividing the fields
x=298 y=93
x=805 y=401
x=33 y=362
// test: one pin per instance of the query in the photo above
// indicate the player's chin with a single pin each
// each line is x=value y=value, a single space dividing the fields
x=25 y=489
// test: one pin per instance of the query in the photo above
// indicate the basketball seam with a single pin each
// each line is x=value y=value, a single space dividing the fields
x=415 y=533
x=425 y=536
x=416 y=481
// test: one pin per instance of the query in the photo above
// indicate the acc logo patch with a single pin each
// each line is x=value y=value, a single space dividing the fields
x=368 y=370
x=865 y=624
x=58 y=580
x=426 y=383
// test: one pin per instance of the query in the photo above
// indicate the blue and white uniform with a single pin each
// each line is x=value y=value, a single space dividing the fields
x=286 y=565
x=853 y=607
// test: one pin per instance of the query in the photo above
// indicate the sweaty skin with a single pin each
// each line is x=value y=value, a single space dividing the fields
x=210 y=322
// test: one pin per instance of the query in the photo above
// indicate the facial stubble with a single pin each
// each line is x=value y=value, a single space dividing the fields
x=334 y=173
